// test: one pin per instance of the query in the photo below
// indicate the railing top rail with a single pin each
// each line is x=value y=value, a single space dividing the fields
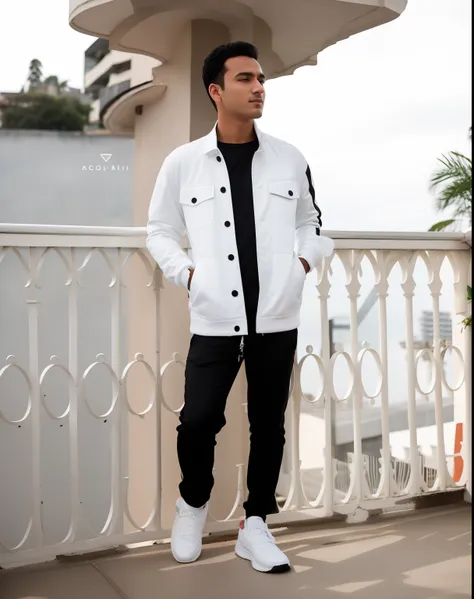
x=29 y=229
x=23 y=235
x=134 y=231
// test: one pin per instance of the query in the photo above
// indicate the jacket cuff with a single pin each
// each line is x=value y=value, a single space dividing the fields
x=322 y=247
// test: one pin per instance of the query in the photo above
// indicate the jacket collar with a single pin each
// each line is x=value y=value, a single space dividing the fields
x=210 y=140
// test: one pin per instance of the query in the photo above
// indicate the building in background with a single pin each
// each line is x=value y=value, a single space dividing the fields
x=427 y=327
x=108 y=74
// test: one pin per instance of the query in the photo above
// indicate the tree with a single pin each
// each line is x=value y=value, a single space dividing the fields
x=44 y=112
x=59 y=85
x=452 y=184
x=35 y=73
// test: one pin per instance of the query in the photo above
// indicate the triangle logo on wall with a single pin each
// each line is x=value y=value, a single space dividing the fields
x=106 y=157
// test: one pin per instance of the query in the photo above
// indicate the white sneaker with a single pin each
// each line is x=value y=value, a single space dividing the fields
x=256 y=544
x=186 y=536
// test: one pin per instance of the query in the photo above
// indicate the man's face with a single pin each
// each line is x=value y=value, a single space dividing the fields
x=243 y=95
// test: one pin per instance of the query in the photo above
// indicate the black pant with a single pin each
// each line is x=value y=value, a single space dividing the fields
x=212 y=366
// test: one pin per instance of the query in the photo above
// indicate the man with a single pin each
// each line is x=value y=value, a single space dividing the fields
x=245 y=200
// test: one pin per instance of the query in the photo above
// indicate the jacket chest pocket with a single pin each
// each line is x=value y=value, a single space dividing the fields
x=198 y=204
x=283 y=201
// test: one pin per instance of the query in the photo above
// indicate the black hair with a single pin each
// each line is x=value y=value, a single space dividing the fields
x=214 y=69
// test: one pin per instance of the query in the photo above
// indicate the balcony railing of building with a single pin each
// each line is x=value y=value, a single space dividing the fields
x=99 y=76
x=95 y=53
x=68 y=413
x=112 y=92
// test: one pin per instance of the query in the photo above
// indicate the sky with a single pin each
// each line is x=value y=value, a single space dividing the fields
x=372 y=117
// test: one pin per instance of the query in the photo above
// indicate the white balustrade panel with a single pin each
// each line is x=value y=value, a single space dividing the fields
x=66 y=372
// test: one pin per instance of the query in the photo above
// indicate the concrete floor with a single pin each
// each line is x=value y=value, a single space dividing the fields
x=419 y=555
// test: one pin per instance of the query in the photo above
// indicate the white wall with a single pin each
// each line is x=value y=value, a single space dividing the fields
x=42 y=181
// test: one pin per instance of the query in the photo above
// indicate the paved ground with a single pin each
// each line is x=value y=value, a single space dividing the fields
x=422 y=555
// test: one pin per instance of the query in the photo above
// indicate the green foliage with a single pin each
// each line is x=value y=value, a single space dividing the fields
x=39 y=109
x=452 y=183
x=44 y=112
x=442 y=224
x=467 y=322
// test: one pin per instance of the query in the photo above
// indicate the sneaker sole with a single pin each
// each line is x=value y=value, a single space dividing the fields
x=185 y=561
x=243 y=553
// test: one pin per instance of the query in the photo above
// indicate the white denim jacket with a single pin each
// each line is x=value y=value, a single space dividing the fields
x=192 y=197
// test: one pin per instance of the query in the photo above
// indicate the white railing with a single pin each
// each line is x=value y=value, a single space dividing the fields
x=65 y=466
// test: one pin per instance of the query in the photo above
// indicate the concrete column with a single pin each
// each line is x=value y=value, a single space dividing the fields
x=183 y=114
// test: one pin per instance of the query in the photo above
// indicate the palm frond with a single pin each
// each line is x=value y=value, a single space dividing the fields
x=455 y=174
x=452 y=182
x=454 y=166
x=442 y=225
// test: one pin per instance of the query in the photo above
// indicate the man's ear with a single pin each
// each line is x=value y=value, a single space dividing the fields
x=215 y=92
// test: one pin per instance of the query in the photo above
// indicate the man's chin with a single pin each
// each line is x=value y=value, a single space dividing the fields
x=257 y=113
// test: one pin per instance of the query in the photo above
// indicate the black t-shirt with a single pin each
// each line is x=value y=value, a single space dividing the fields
x=238 y=158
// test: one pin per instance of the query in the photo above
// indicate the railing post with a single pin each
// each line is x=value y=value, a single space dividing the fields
x=119 y=431
x=351 y=260
x=435 y=285
x=34 y=374
x=408 y=286
x=462 y=336
x=73 y=365
x=384 y=267
x=324 y=287
x=157 y=285
x=467 y=444
x=296 y=496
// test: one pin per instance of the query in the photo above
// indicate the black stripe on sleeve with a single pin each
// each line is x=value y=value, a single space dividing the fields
x=313 y=197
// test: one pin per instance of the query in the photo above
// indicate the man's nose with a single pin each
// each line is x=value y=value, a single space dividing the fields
x=258 y=90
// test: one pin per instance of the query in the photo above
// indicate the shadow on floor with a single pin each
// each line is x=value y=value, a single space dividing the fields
x=425 y=555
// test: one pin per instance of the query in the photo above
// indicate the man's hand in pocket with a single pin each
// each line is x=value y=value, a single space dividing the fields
x=191 y=273
x=305 y=265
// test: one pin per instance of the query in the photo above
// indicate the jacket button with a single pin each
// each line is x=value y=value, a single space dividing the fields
x=223 y=189
x=290 y=193
x=237 y=329
x=231 y=257
x=194 y=200
x=219 y=159
x=235 y=293
x=227 y=223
